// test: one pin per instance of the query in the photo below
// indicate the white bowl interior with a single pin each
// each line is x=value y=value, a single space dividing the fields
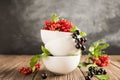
x=62 y=64
x=47 y=35
x=62 y=46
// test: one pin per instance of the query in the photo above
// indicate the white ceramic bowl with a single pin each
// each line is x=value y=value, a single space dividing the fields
x=47 y=35
x=61 y=64
x=62 y=46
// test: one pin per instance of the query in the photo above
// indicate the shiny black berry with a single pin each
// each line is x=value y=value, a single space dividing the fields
x=77 y=46
x=85 y=39
x=104 y=72
x=76 y=40
x=77 y=32
x=74 y=36
x=87 y=77
x=44 y=75
x=83 y=48
x=81 y=39
x=90 y=74
x=90 y=68
x=100 y=70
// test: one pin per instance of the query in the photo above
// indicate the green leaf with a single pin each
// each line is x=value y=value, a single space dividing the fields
x=34 y=60
x=73 y=29
x=72 y=54
x=54 y=17
x=80 y=65
x=97 y=52
x=103 y=46
x=91 y=49
x=33 y=68
x=102 y=77
x=83 y=64
x=45 y=51
x=97 y=43
x=94 y=65
x=97 y=47
x=83 y=34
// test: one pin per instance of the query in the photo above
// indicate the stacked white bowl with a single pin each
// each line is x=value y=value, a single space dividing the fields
x=61 y=45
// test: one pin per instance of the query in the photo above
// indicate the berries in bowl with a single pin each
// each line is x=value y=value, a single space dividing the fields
x=55 y=28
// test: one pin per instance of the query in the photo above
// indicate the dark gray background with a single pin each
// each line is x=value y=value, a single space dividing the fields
x=21 y=20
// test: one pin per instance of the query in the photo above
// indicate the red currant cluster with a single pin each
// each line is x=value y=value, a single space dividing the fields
x=102 y=61
x=60 y=25
x=28 y=70
x=25 y=70
x=79 y=41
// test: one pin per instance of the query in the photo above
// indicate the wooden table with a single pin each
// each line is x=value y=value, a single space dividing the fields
x=9 y=65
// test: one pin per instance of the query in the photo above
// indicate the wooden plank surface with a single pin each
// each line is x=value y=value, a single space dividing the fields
x=9 y=65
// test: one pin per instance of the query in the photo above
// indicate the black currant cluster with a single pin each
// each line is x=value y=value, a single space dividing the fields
x=44 y=76
x=79 y=41
x=94 y=71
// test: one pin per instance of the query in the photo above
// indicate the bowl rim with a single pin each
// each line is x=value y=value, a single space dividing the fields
x=64 y=56
x=56 y=31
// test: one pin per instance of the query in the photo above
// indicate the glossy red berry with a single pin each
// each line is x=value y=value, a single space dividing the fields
x=37 y=66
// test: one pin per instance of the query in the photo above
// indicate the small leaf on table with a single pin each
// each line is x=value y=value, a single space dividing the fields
x=102 y=77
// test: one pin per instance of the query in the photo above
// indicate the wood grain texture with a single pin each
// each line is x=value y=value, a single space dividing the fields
x=9 y=65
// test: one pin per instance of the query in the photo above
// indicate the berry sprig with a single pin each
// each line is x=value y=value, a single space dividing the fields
x=28 y=70
x=79 y=41
x=97 y=58
x=98 y=72
x=96 y=54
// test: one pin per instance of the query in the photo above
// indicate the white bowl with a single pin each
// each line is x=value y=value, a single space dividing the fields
x=61 y=64
x=47 y=35
x=62 y=46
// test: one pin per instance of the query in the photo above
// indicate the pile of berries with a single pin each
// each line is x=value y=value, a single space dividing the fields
x=25 y=70
x=60 y=25
x=94 y=71
x=28 y=70
x=102 y=61
x=79 y=41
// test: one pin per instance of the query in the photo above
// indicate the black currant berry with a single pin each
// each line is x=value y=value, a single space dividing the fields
x=77 y=32
x=81 y=39
x=85 y=39
x=74 y=36
x=104 y=72
x=77 y=46
x=100 y=70
x=90 y=68
x=76 y=40
x=83 y=48
x=44 y=75
x=90 y=74
x=87 y=78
